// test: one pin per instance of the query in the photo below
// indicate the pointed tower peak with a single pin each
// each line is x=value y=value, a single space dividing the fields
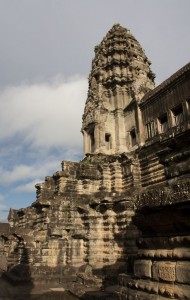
x=118 y=27
x=114 y=34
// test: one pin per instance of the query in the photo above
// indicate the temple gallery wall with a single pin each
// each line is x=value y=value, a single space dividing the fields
x=122 y=214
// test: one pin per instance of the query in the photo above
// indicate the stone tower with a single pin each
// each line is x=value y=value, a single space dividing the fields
x=120 y=77
x=115 y=217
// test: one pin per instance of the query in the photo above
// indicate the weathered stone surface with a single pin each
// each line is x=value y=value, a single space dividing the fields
x=143 y=268
x=183 y=272
x=125 y=207
x=119 y=78
x=164 y=271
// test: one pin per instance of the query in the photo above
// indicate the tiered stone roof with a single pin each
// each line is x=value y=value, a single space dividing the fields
x=120 y=76
x=119 y=58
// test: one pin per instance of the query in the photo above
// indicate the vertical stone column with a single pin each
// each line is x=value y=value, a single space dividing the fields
x=140 y=127
x=120 y=137
x=102 y=137
x=86 y=142
x=117 y=178
x=97 y=138
x=106 y=180
x=112 y=124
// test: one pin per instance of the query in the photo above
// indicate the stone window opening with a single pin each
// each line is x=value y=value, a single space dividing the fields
x=108 y=141
x=91 y=138
x=163 y=123
x=151 y=129
x=177 y=115
x=37 y=244
x=133 y=137
x=92 y=141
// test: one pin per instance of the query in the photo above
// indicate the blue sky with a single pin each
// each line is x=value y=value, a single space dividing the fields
x=46 y=52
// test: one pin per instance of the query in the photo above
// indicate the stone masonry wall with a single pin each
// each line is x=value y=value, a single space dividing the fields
x=80 y=217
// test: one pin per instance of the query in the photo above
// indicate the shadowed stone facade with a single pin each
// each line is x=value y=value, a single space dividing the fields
x=124 y=209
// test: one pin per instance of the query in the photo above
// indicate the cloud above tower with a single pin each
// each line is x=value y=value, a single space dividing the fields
x=44 y=115
x=40 y=126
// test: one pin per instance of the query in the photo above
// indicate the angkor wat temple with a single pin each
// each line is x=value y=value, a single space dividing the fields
x=122 y=214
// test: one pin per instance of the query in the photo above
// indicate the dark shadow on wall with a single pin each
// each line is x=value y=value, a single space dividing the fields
x=92 y=284
x=100 y=284
x=161 y=228
x=15 y=280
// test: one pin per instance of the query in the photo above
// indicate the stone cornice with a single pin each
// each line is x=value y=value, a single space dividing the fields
x=170 y=195
x=166 y=85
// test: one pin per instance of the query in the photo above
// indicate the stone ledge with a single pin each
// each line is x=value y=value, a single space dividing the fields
x=132 y=286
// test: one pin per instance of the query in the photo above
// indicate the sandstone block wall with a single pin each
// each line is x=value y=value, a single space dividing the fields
x=124 y=209
x=80 y=216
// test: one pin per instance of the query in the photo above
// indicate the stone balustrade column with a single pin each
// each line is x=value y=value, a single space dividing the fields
x=97 y=138
x=141 y=128
x=120 y=131
x=86 y=142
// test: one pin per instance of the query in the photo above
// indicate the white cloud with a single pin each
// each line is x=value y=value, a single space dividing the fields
x=46 y=115
x=27 y=172
x=40 y=126
x=27 y=187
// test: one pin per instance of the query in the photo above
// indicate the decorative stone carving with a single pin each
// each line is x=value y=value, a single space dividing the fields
x=125 y=207
x=164 y=271
x=120 y=67
x=159 y=197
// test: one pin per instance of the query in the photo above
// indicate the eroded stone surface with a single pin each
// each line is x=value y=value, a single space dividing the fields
x=124 y=209
x=120 y=77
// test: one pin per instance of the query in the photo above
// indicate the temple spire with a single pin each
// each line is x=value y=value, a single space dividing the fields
x=119 y=78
